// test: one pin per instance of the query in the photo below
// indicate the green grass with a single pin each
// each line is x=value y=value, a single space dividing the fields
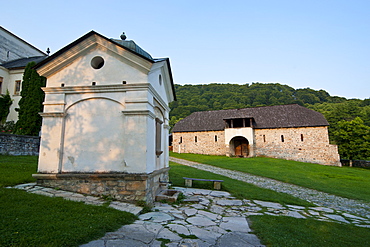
x=237 y=188
x=342 y=181
x=287 y=231
x=35 y=220
x=17 y=169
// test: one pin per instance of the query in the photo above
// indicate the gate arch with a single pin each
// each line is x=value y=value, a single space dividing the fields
x=239 y=146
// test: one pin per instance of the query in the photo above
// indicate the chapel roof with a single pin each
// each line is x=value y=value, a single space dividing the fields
x=22 y=62
x=279 y=116
x=128 y=45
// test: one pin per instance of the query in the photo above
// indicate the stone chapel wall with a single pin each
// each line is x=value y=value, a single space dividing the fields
x=309 y=144
x=205 y=142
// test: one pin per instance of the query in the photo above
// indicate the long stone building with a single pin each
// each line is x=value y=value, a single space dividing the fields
x=289 y=132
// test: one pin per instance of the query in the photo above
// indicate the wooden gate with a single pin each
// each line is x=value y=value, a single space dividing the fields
x=241 y=147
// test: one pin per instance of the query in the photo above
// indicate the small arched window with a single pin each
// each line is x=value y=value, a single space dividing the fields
x=215 y=138
x=301 y=137
x=160 y=79
x=282 y=138
x=196 y=139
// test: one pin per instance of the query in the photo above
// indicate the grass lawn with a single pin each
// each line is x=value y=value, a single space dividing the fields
x=237 y=188
x=347 y=182
x=287 y=231
x=17 y=169
x=279 y=230
x=35 y=220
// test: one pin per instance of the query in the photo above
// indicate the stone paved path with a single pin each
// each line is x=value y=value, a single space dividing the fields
x=214 y=218
x=310 y=195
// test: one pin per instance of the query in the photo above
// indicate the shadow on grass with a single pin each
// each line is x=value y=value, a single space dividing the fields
x=35 y=220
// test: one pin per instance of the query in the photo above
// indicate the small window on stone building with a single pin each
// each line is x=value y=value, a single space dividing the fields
x=215 y=138
x=264 y=138
x=180 y=140
x=196 y=139
x=160 y=79
x=282 y=138
x=17 y=87
x=301 y=137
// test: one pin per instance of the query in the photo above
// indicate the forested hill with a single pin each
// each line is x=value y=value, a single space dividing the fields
x=192 y=98
x=340 y=112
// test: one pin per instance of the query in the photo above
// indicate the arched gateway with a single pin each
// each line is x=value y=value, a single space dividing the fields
x=239 y=146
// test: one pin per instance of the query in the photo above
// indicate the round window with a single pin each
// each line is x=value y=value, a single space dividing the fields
x=97 y=62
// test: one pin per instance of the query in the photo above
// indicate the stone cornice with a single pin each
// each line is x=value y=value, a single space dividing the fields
x=52 y=114
x=97 y=88
x=139 y=112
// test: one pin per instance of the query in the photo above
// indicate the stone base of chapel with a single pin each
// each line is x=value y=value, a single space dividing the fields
x=126 y=187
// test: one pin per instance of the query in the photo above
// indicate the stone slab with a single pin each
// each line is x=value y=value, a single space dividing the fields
x=190 y=211
x=336 y=217
x=295 y=215
x=180 y=229
x=156 y=217
x=124 y=242
x=209 y=215
x=137 y=232
x=238 y=224
x=220 y=194
x=204 y=235
x=200 y=221
x=270 y=204
x=96 y=243
x=236 y=240
x=167 y=234
x=226 y=202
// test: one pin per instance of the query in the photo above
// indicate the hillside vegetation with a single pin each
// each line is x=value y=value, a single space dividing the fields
x=349 y=119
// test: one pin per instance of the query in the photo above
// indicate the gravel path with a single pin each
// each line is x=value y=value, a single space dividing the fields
x=310 y=195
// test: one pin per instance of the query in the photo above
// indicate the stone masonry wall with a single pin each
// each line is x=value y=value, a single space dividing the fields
x=310 y=144
x=19 y=145
x=206 y=142
x=121 y=186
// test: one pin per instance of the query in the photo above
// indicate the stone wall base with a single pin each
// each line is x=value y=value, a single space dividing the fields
x=127 y=187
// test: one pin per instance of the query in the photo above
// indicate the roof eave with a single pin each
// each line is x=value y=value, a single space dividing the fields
x=74 y=43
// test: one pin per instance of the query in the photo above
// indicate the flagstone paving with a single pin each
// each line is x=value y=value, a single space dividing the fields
x=214 y=218
x=319 y=198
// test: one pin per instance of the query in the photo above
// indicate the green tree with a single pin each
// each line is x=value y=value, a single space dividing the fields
x=5 y=103
x=353 y=139
x=29 y=120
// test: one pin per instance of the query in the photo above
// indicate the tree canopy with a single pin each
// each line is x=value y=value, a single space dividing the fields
x=5 y=103
x=30 y=105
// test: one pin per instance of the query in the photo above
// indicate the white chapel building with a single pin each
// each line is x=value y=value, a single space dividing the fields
x=105 y=119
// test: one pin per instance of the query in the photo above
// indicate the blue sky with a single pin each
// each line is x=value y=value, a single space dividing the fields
x=321 y=44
